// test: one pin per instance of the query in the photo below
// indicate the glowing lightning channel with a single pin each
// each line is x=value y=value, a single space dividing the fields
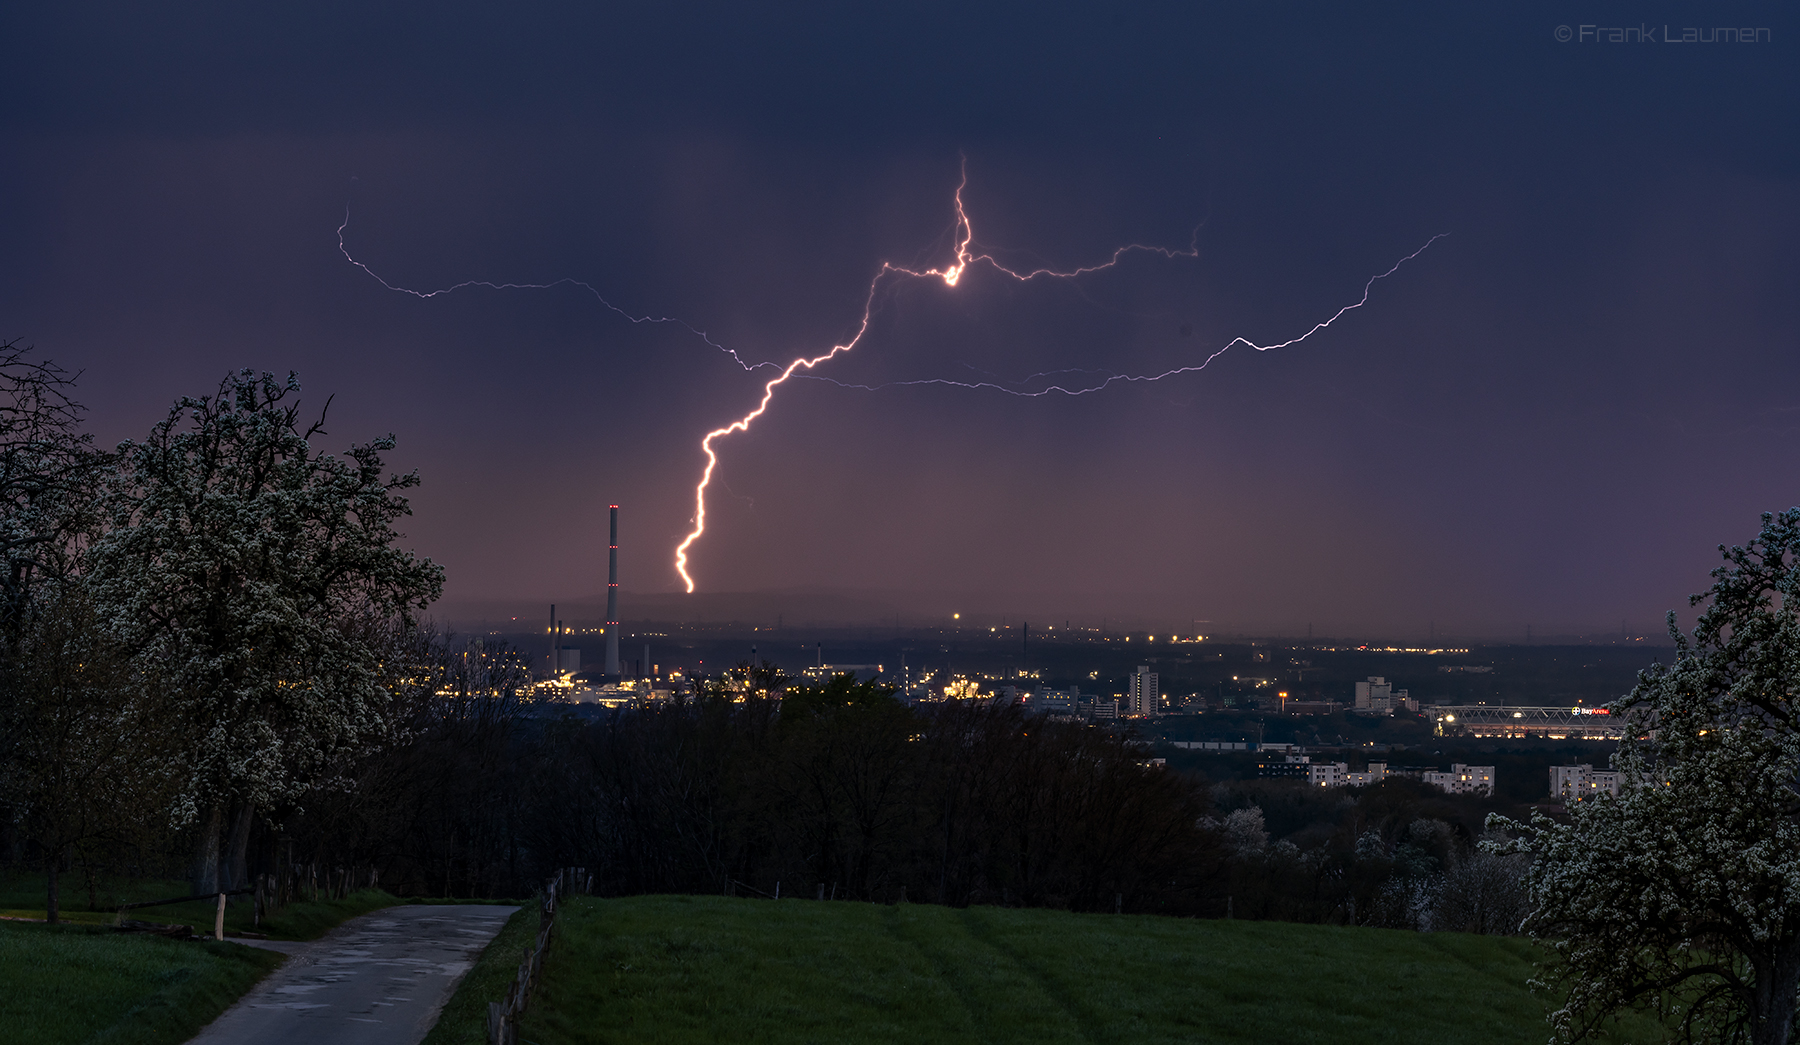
x=742 y=424
x=951 y=275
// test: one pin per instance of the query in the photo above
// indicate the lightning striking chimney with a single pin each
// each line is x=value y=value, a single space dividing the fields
x=612 y=600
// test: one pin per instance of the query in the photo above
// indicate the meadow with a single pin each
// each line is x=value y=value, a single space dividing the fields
x=675 y=970
x=74 y=983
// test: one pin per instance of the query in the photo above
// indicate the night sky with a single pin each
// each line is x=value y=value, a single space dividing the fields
x=1549 y=418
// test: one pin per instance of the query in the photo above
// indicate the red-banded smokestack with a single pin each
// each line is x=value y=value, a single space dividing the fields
x=612 y=599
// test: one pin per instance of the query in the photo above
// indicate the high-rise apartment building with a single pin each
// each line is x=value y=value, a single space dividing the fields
x=1143 y=700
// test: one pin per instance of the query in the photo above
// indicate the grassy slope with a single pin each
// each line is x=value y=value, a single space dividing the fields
x=675 y=970
x=72 y=984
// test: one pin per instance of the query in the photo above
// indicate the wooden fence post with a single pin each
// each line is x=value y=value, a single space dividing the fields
x=503 y=1016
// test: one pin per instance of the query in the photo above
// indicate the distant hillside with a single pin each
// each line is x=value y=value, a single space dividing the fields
x=683 y=969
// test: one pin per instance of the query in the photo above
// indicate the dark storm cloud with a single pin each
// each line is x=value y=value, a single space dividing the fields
x=1550 y=416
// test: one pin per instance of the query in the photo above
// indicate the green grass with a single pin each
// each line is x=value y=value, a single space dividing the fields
x=98 y=987
x=82 y=982
x=22 y=896
x=673 y=970
x=464 y=1019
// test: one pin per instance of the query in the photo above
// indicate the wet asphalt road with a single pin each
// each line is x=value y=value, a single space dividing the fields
x=375 y=980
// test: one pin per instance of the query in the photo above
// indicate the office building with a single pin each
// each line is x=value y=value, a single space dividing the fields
x=1378 y=696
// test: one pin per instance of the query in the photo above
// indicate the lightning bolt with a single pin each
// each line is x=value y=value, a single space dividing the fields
x=633 y=318
x=951 y=274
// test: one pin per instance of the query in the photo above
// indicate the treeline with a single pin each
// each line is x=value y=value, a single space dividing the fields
x=837 y=790
x=755 y=786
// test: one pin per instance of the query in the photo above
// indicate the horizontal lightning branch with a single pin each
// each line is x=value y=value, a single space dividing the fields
x=1112 y=378
x=426 y=295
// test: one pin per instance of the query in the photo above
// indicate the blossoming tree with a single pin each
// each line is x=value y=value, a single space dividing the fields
x=1681 y=897
x=256 y=579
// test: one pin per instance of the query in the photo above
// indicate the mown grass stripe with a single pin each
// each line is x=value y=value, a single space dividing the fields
x=1002 y=1001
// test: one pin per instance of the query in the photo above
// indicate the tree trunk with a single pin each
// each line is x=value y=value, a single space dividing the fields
x=234 y=870
x=52 y=902
x=204 y=874
x=1776 y=993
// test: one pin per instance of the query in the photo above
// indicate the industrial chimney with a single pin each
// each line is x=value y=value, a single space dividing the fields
x=612 y=601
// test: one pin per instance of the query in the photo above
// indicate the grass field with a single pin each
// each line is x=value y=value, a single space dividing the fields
x=673 y=970
x=23 y=897
x=70 y=984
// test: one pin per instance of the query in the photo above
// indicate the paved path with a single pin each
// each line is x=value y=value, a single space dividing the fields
x=379 y=979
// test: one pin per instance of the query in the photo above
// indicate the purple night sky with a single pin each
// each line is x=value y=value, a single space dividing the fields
x=1548 y=418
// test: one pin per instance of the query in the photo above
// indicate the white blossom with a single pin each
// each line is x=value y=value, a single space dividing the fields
x=1681 y=897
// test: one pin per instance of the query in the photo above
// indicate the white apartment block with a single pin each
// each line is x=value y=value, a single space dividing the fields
x=1583 y=781
x=1464 y=780
x=1143 y=700
x=1460 y=780
x=1338 y=774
